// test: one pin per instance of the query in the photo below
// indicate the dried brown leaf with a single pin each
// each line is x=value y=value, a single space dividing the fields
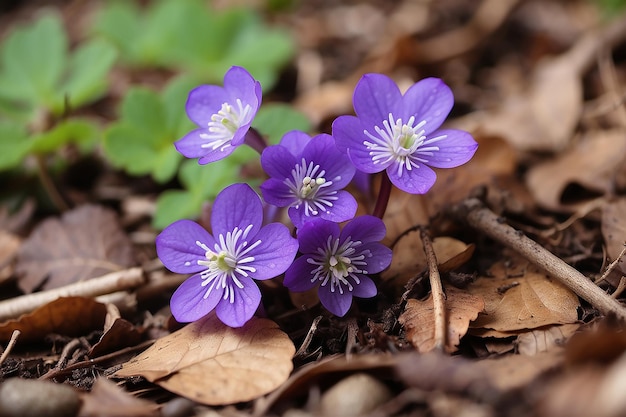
x=70 y=316
x=525 y=300
x=418 y=319
x=9 y=246
x=614 y=229
x=211 y=363
x=542 y=340
x=86 y=242
x=592 y=164
x=108 y=400
x=118 y=333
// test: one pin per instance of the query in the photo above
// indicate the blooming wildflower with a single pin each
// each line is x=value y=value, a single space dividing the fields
x=339 y=261
x=308 y=176
x=223 y=116
x=225 y=263
x=400 y=133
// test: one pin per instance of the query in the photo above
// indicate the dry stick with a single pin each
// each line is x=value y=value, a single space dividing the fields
x=483 y=219
x=12 y=341
x=436 y=289
x=115 y=281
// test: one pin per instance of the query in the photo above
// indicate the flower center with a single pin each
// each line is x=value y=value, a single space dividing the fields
x=402 y=143
x=309 y=186
x=226 y=262
x=336 y=263
x=224 y=124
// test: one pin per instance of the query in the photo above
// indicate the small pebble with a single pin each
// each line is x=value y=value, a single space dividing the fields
x=34 y=398
x=355 y=395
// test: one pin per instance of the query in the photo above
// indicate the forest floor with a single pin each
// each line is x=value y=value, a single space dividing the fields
x=505 y=293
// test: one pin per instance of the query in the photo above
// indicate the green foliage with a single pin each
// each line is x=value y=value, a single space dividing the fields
x=142 y=141
x=14 y=144
x=274 y=120
x=201 y=182
x=611 y=8
x=185 y=35
x=38 y=73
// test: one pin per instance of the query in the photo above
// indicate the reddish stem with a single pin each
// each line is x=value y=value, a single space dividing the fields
x=383 y=196
x=254 y=140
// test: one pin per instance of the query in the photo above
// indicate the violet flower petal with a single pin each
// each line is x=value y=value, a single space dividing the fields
x=188 y=303
x=375 y=96
x=275 y=253
x=246 y=301
x=414 y=181
x=365 y=228
x=430 y=100
x=203 y=102
x=277 y=193
x=229 y=212
x=177 y=248
x=298 y=276
x=380 y=257
x=315 y=234
x=456 y=148
x=277 y=161
x=365 y=289
x=349 y=137
x=295 y=141
x=322 y=149
x=335 y=302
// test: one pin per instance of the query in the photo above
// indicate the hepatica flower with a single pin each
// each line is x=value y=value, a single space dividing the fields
x=225 y=263
x=400 y=133
x=308 y=176
x=223 y=116
x=338 y=261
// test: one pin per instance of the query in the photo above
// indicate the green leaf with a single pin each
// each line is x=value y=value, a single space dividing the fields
x=274 y=120
x=81 y=132
x=87 y=76
x=142 y=141
x=14 y=145
x=202 y=183
x=120 y=22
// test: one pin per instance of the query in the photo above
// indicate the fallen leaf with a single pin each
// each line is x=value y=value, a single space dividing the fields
x=409 y=259
x=86 y=242
x=211 y=363
x=614 y=230
x=591 y=164
x=118 y=333
x=522 y=298
x=108 y=400
x=9 y=246
x=542 y=340
x=70 y=316
x=418 y=319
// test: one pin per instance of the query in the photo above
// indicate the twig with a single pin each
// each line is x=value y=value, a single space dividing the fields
x=612 y=265
x=483 y=219
x=436 y=289
x=302 y=351
x=115 y=281
x=12 y=341
x=353 y=330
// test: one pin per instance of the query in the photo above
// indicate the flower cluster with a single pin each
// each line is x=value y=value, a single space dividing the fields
x=397 y=134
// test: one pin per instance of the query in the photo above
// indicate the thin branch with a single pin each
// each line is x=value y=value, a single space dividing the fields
x=12 y=341
x=484 y=220
x=115 y=281
x=612 y=265
x=436 y=289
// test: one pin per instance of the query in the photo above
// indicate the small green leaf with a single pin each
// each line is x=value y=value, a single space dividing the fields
x=142 y=141
x=202 y=183
x=274 y=120
x=120 y=22
x=87 y=76
x=33 y=59
x=78 y=131
x=14 y=145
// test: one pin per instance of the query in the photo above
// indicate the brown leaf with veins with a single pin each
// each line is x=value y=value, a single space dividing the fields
x=84 y=243
x=522 y=297
x=211 y=363
x=418 y=319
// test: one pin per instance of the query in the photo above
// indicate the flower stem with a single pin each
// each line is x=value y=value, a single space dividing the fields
x=383 y=196
x=254 y=140
x=48 y=184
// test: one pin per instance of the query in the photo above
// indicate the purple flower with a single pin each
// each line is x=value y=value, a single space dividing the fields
x=223 y=115
x=339 y=261
x=400 y=133
x=226 y=262
x=308 y=176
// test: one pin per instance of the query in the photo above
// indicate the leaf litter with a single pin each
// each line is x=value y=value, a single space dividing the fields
x=519 y=342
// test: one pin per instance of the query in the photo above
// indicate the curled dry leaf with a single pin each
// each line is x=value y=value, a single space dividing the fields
x=70 y=316
x=542 y=340
x=593 y=164
x=211 y=363
x=118 y=333
x=418 y=319
x=522 y=298
x=105 y=395
x=614 y=230
x=409 y=259
x=86 y=242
